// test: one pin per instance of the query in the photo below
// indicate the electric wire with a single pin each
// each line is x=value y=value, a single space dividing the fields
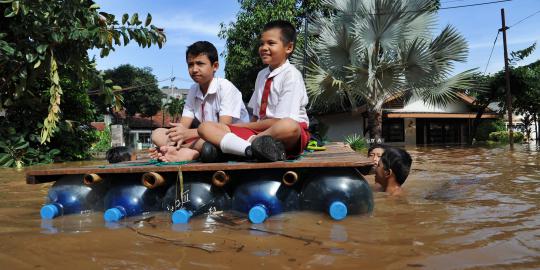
x=520 y=21
x=491 y=53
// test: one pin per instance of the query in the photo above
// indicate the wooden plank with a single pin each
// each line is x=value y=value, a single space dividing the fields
x=336 y=155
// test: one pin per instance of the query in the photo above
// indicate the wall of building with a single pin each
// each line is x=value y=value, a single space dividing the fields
x=341 y=125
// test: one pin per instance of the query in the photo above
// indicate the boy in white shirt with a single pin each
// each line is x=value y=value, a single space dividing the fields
x=209 y=99
x=279 y=125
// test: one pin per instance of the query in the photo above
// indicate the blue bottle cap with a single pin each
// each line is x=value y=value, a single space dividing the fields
x=181 y=216
x=49 y=211
x=113 y=214
x=258 y=214
x=337 y=210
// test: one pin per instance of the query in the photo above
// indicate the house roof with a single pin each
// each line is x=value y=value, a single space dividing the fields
x=137 y=121
x=98 y=125
x=441 y=115
x=468 y=100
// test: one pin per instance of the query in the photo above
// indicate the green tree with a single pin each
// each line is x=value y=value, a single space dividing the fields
x=175 y=107
x=39 y=40
x=242 y=36
x=139 y=89
x=369 y=51
x=45 y=72
x=524 y=86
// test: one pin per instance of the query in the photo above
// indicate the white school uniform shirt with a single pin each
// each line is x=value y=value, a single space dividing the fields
x=288 y=96
x=222 y=98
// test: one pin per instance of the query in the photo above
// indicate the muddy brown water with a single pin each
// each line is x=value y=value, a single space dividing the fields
x=466 y=208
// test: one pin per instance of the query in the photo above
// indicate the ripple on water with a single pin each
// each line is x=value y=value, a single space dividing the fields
x=465 y=208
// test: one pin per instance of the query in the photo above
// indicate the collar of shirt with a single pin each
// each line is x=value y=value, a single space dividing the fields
x=212 y=89
x=278 y=70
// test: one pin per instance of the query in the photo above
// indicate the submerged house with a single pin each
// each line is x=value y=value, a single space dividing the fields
x=413 y=123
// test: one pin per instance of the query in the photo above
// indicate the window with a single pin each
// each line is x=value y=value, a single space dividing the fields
x=393 y=130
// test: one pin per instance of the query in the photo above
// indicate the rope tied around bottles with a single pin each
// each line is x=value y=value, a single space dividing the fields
x=179 y=180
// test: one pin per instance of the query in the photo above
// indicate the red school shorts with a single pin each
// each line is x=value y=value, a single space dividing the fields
x=245 y=133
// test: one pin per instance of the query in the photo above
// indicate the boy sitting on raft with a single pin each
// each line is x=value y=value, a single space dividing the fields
x=392 y=170
x=209 y=99
x=279 y=125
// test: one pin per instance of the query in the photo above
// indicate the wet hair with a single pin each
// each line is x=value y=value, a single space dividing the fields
x=118 y=154
x=204 y=48
x=377 y=145
x=399 y=161
x=288 y=32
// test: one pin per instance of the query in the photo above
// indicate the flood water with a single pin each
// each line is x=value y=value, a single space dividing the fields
x=466 y=208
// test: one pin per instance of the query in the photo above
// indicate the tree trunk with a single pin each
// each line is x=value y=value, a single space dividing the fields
x=476 y=123
x=375 y=125
x=481 y=109
x=536 y=128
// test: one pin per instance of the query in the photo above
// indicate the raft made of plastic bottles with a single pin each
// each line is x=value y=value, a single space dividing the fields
x=327 y=182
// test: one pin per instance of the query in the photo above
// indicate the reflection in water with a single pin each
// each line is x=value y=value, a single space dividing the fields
x=465 y=208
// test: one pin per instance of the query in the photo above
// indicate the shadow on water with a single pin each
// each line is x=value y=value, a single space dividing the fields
x=466 y=208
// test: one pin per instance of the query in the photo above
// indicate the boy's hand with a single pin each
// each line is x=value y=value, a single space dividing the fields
x=177 y=133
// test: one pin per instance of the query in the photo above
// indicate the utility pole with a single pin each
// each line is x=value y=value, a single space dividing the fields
x=507 y=76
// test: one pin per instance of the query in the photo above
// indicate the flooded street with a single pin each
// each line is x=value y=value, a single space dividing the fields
x=466 y=208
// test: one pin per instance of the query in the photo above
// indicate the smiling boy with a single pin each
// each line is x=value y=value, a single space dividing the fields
x=279 y=125
x=209 y=99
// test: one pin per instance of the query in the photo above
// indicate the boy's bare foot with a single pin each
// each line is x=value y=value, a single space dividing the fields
x=177 y=155
x=154 y=153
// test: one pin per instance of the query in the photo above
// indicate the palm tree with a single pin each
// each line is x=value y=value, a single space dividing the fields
x=174 y=108
x=367 y=51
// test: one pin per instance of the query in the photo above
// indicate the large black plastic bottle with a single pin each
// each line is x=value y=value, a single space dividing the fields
x=197 y=198
x=130 y=198
x=337 y=191
x=264 y=196
x=69 y=195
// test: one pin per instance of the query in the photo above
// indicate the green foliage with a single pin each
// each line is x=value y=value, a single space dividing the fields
x=40 y=40
x=242 y=36
x=175 y=107
x=488 y=126
x=357 y=142
x=141 y=93
x=104 y=140
x=502 y=137
x=370 y=51
x=15 y=150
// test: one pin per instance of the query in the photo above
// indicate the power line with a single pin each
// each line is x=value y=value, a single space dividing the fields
x=427 y=9
x=524 y=19
x=491 y=53
x=98 y=92
x=477 y=4
x=451 y=1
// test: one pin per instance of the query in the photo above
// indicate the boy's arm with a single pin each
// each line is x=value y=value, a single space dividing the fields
x=292 y=97
x=258 y=125
x=225 y=119
x=180 y=131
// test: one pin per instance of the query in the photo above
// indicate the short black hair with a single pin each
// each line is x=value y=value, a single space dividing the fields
x=377 y=145
x=288 y=32
x=399 y=161
x=205 y=48
x=118 y=154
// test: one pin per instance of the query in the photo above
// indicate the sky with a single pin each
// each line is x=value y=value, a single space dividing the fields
x=188 y=21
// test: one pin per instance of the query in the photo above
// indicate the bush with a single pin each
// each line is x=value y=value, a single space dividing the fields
x=488 y=126
x=357 y=142
x=104 y=140
x=502 y=137
x=15 y=150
